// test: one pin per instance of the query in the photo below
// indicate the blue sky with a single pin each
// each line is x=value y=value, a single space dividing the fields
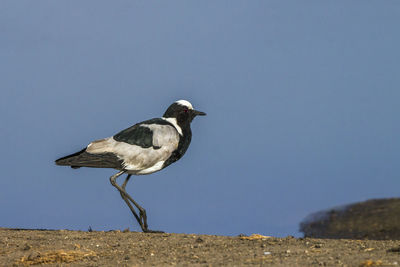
x=302 y=100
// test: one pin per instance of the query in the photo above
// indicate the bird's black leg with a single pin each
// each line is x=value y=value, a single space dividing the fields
x=126 y=181
x=124 y=196
x=142 y=211
x=142 y=220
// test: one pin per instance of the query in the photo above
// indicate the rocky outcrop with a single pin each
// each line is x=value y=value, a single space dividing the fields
x=373 y=219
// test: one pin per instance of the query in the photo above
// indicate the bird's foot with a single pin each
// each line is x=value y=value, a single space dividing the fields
x=152 y=231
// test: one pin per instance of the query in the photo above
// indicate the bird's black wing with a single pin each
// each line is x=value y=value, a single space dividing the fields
x=139 y=134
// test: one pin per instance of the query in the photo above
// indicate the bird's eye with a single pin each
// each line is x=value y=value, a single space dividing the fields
x=185 y=110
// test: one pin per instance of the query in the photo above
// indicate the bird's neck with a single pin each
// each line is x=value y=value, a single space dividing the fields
x=184 y=142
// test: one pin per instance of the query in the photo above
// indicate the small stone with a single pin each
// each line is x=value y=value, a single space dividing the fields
x=395 y=249
x=33 y=256
x=199 y=240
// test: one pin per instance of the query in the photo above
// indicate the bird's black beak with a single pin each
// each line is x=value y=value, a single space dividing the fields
x=198 y=113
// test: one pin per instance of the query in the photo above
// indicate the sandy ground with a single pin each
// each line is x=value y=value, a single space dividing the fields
x=116 y=248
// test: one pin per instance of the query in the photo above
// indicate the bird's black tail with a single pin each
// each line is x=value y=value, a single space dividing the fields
x=70 y=159
x=85 y=159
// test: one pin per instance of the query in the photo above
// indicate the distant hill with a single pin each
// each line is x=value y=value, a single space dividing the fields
x=373 y=219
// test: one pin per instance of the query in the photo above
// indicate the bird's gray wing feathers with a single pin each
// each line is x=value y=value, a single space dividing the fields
x=136 y=135
x=140 y=134
x=164 y=135
x=165 y=140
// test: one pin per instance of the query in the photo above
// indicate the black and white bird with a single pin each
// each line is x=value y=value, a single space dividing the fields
x=143 y=148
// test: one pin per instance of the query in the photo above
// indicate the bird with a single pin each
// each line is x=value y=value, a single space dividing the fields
x=144 y=148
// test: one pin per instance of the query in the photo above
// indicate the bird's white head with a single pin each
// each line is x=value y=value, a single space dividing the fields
x=184 y=103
